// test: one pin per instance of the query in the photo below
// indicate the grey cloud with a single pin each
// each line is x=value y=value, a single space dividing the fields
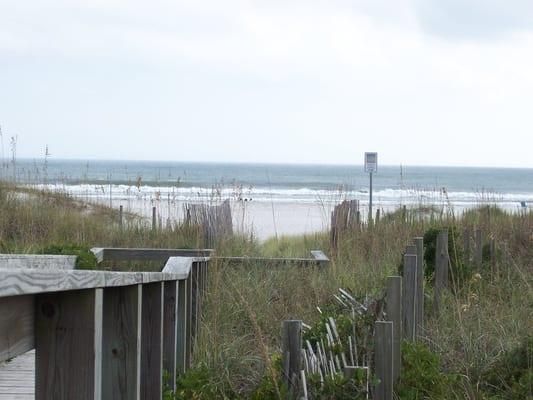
x=474 y=19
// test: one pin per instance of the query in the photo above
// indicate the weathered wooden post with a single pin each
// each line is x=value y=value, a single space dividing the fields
x=68 y=345
x=466 y=246
x=419 y=243
x=190 y=319
x=291 y=346
x=394 y=315
x=182 y=326
x=377 y=216
x=170 y=332
x=383 y=338
x=121 y=342
x=152 y=341
x=478 y=255
x=409 y=294
x=120 y=217
x=442 y=261
x=154 y=218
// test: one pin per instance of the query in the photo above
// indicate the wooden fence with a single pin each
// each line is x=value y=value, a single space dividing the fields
x=401 y=319
x=101 y=334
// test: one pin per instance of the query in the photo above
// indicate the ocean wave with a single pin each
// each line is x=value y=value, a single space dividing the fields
x=304 y=195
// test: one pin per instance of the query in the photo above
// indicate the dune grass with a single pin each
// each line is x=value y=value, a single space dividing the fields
x=480 y=323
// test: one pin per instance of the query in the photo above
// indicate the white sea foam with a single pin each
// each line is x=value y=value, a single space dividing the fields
x=301 y=195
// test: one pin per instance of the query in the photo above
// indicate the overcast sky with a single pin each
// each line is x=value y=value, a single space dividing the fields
x=423 y=82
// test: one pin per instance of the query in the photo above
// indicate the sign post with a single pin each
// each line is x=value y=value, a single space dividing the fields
x=371 y=166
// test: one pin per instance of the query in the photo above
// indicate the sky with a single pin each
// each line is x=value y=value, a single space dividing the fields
x=422 y=82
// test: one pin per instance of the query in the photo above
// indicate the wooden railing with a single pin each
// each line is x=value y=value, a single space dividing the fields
x=101 y=334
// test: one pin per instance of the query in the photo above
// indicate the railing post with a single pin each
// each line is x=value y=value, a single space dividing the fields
x=190 y=319
x=394 y=315
x=383 y=338
x=151 y=341
x=291 y=341
x=68 y=345
x=170 y=331
x=121 y=342
x=182 y=327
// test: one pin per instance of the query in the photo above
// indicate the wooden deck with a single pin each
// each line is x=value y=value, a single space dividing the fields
x=17 y=378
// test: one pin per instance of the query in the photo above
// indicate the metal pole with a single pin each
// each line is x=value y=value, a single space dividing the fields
x=370 y=202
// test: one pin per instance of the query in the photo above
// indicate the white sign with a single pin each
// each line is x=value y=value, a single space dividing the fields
x=371 y=162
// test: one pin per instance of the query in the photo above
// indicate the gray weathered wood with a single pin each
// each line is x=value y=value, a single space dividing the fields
x=151 y=359
x=181 y=341
x=478 y=255
x=17 y=378
x=16 y=326
x=394 y=315
x=409 y=296
x=152 y=341
x=195 y=302
x=120 y=217
x=291 y=345
x=121 y=342
x=31 y=281
x=320 y=257
x=466 y=246
x=442 y=261
x=37 y=261
x=154 y=218
x=68 y=339
x=145 y=254
x=383 y=338
x=170 y=331
x=189 y=316
x=419 y=243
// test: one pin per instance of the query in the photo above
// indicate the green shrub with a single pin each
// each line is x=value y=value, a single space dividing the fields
x=460 y=271
x=422 y=376
x=201 y=383
x=85 y=258
x=511 y=377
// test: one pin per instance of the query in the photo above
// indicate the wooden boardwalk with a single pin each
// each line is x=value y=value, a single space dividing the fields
x=17 y=378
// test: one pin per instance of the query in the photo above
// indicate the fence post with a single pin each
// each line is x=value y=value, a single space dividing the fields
x=466 y=245
x=377 y=216
x=441 y=268
x=394 y=314
x=120 y=217
x=170 y=310
x=121 y=342
x=291 y=346
x=383 y=338
x=181 y=346
x=478 y=255
x=154 y=219
x=419 y=243
x=409 y=295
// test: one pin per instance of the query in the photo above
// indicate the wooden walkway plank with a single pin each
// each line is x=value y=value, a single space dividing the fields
x=17 y=378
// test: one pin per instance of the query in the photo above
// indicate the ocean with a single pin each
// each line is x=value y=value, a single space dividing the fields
x=307 y=191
